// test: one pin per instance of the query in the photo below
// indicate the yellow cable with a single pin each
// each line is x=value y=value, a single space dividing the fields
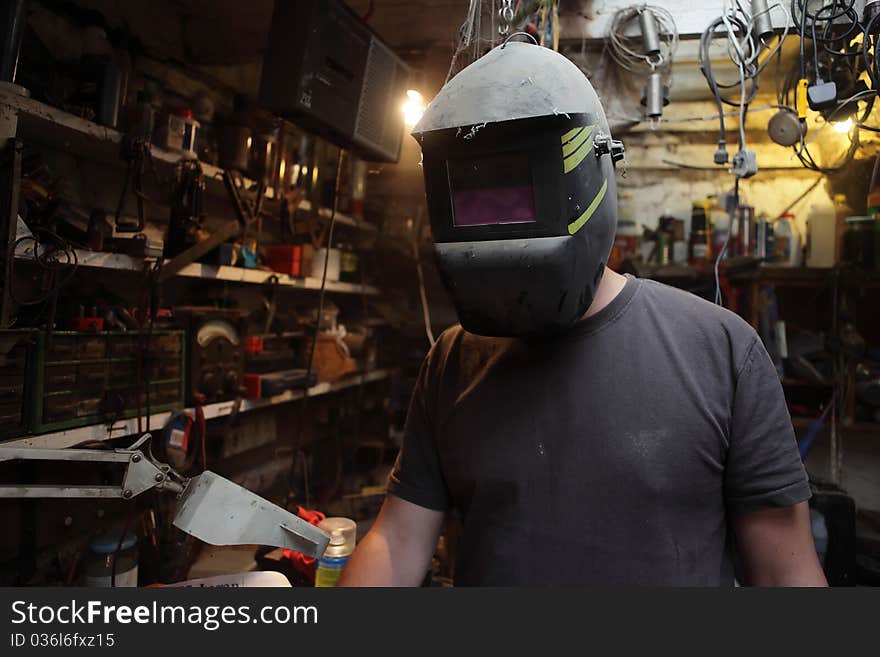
x=801 y=102
x=556 y=25
x=543 y=22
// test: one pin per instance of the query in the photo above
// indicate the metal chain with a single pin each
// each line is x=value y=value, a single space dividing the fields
x=505 y=14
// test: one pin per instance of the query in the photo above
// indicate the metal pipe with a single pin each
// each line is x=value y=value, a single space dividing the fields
x=655 y=96
x=14 y=19
x=650 y=35
x=763 y=25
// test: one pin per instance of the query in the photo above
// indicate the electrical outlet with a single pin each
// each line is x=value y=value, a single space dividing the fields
x=745 y=164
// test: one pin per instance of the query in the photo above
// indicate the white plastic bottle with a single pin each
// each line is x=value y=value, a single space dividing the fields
x=787 y=242
x=343 y=536
x=822 y=235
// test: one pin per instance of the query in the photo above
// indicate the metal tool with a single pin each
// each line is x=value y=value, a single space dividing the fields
x=210 y=508
x=137 y=154
x=245 y=213
x=655 y=96
x=270 y=301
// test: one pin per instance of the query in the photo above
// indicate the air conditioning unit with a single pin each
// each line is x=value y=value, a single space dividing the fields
x=327 y=71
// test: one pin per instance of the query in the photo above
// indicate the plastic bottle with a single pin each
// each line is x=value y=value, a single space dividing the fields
x=763 y=239
x=698 y=248
x=842 y=211
x=787 y=241
x=821 y=245
x=343 y=535
x=719 y=220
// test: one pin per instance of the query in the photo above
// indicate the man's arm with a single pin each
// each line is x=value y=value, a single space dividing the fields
x=777 y=547
x=398 y=548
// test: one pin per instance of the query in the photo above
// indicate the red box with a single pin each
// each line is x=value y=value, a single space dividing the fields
x=253 y=344
x=86 y=324
x=286 y=259
x=252 y=384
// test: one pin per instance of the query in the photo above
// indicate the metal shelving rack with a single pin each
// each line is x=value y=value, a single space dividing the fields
x=49 y=126
x=100 y=432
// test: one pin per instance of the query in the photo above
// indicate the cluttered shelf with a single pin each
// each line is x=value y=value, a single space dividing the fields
x=51 y=126
x=116 y=261
x=99 y=432
x=748 y=269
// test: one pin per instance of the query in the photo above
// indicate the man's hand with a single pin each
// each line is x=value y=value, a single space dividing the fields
x=398 y=548
x=777 y=547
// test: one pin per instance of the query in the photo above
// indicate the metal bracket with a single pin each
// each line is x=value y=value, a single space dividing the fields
x=142 y=473
x=605 y=145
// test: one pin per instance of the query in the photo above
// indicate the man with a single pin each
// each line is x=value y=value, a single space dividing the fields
x=589 y=428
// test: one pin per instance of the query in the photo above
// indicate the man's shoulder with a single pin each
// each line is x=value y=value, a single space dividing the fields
x=690 y=312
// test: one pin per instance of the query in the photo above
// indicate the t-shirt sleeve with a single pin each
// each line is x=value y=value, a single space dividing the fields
x=416 y=476
x=764 y=467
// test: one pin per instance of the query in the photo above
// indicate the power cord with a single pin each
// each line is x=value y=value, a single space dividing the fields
x=745 y=52
x=297 y=446
x=49 y=262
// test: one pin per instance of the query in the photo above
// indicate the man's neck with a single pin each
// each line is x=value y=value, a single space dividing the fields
x=611 y=285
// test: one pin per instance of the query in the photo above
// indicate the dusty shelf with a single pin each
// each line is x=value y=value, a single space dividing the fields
x=99 y=432
x=51 y=127
x=100 y=260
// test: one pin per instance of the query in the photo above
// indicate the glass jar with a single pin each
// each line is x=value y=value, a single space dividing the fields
x=860 y=241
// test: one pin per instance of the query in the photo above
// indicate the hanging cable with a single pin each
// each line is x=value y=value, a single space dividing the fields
x=297 y=439
x=650 y=54
x=51 y=253
x=750 y=54
x=426 y=311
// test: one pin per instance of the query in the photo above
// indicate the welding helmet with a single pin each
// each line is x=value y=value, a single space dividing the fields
x=519 y=174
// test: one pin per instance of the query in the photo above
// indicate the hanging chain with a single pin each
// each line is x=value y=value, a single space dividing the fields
x=505 y=14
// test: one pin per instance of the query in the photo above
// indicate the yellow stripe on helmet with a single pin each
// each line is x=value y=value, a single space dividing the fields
x=578 y=223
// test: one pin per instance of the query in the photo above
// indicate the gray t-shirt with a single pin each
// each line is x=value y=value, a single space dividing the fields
x=613 y=455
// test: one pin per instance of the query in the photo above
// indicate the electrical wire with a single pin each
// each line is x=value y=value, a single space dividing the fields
x=802 y=196
x=833 y=41
x=47 y=259
x=870 y=38
x=627 y=52
x=734 y=205
x=297 y=452
x=465 y=35
x=714 y=117
x=426 y=311
x=736 y=26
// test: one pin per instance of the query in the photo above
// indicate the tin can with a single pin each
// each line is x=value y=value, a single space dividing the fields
x=664 y=248
x=763 y=248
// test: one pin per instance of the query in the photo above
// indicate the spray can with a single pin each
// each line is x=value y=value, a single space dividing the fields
x=343 y=536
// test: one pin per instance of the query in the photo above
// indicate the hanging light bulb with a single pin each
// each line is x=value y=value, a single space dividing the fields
x=413 y=108
x=843 y=127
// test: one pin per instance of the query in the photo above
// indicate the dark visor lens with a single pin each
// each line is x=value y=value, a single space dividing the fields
x=490 y=190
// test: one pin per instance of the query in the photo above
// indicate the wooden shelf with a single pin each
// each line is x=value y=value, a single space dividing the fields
x=52 y=127
x=71 y=437
x=100 y=260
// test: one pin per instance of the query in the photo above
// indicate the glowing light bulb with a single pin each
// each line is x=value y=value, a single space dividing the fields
x=843 y=127
x=413 y=107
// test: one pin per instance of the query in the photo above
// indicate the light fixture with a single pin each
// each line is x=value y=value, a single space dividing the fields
x=843 y=127
x=413 y=107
